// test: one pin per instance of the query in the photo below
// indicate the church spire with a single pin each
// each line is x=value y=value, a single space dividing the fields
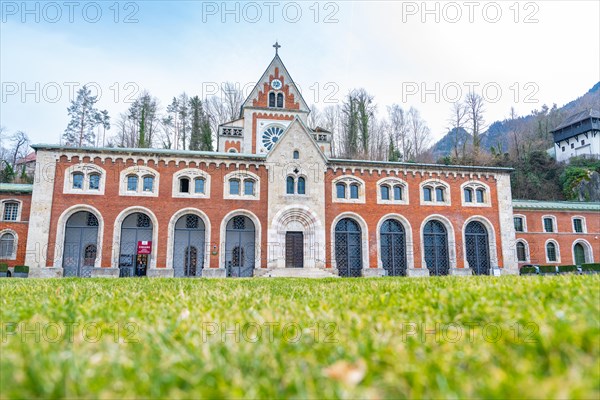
x=277 y=46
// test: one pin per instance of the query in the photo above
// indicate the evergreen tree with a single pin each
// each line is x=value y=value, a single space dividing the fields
x=142 y=137
x=197 y=116
x=84 y=118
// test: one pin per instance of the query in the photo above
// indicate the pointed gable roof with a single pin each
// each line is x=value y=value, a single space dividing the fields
x=276 y=69
x=306 y=131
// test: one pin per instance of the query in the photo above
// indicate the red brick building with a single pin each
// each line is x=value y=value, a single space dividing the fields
x=557 y=233
x=270 y=201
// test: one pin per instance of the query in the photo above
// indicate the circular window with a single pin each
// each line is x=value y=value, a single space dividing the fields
x=270 y=136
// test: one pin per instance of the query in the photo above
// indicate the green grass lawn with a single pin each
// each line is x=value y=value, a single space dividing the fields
x=525 y=337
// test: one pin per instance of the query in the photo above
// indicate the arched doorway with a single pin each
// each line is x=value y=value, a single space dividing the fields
x=477 y=247
x=579 y=253
x=435 y=242
x=240 y=247
x=393 y=248
x=81 y=244
x=188 y=246
x=136 y=229
x=348 y=248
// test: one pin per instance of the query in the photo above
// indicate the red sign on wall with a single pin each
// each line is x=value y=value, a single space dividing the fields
x=144 y=247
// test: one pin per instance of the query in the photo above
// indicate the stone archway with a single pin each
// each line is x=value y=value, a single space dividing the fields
x=297 y=219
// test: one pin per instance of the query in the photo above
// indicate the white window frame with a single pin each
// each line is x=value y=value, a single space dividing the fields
x=348 y=180
x=524 y=219
x=391 y=182
x=87 y=169
x=434 y=184
x=474 y=185
x=527 y=255
x=19 y=209
x=242 y=175
x=13 y=255
x=556 y=246
x=583 y=224
x=554 y=224
x=141 y=172
x=192 y=174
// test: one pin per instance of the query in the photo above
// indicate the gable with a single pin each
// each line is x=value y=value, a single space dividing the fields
x=296 y=137
x=258 y=98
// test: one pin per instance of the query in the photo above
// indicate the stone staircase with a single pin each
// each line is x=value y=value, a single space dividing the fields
x=295 y=273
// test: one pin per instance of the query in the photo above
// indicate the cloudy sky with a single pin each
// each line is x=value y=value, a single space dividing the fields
x=421 y=54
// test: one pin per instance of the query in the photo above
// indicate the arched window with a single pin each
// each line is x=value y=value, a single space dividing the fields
x=271 y=99
x=234 y=187
x=397 y=192
x=279 y=100
x=341 y=190
x=519 y=226
x=427 y=194
x=393 y=247
x=385 y=192
x=468 y=195
x=296 y=154
x=148 y=184
x=90 y=255
x=249 y=187
x=439 y=194
x=354 y=191
x=94 y=182
x=199 y=184
x=78 y=180
x=521 y=252
x=579 y=254
x=184 y=185
x=480 y=195
x=435 y=242
x=301 y=185
x=132 y=183
x=548 y=224
x=7 y=243
x=290 y=185
x=551 y=252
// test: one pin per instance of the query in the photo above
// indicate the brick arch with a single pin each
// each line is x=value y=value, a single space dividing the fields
x=117 y=234
x=61 y=228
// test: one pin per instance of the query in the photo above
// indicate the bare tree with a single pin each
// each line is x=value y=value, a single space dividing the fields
x=457 y=120
x=20 y=147
x=419 y=133
x=475 y=110
x=398 y=127
x=233 y=100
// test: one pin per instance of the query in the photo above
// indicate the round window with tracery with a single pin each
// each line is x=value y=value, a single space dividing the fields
x=270 y=136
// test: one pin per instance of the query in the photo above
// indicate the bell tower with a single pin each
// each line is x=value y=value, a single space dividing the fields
x=266 y=113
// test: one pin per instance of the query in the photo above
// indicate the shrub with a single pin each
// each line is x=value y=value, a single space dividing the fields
x=591 y=267
x=528 y=271
x=3 y=267
x=547 y=269
x=567 y=268
x=24 y=269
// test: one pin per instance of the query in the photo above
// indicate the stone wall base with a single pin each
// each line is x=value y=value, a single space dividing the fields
x=105 y=273
x=160 y=272
x=373 y=272
x=45 y=272
x=461 y=272
x=418 y=272
x=214 y=273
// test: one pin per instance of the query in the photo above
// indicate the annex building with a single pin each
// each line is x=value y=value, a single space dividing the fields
x=271 y=201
